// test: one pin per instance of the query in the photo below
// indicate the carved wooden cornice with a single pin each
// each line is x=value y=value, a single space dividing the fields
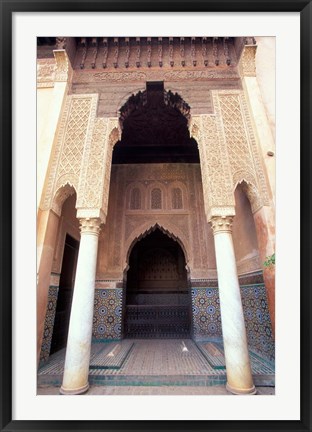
x=153 y=52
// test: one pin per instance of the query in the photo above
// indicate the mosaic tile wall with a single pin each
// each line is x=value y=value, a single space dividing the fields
x=206 y=313
x=257 y=319
x=107 y=316
x=207 y=317
x=48 y=324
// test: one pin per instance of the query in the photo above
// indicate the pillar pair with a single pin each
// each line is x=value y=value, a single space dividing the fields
x=238 y=370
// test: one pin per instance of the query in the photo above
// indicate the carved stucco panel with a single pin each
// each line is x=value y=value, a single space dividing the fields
x=247 y=64
x=215 y=167
x=96 y=169
x=245 y=162
x=90 y=186
x=72 y=139
x=45 y=72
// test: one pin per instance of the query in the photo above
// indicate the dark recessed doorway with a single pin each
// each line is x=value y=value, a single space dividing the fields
x=65 y=294
x=157 y=294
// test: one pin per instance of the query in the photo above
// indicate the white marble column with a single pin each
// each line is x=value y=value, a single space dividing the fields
x=76 y=370
x=238 y=370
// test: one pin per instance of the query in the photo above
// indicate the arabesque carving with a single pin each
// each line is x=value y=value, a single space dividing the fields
x=149 y=75
x=63 y=69
x=95 y=178
x=91 y=181
x=215 y=168
x=245 y=162
x=72 y=140
x=45 y=72
x=247 y=64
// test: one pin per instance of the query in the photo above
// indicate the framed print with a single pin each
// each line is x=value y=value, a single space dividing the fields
x=155 y=164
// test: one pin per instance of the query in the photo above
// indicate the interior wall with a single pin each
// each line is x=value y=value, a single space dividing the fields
x=125 y=224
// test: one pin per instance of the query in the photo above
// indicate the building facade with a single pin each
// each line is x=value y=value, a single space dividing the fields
x=156 y=196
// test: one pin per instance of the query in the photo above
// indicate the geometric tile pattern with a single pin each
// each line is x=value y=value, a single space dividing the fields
x=206 y=313
x=48 y=324
x=257 y=320
x=207 y=317
x=107 y=314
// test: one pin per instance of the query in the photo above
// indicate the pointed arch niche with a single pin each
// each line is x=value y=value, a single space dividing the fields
x=157 y=295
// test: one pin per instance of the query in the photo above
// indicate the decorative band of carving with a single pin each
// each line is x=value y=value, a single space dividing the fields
x=247 y=65
x=63 y=69
x=221 y=224
x=90 y=225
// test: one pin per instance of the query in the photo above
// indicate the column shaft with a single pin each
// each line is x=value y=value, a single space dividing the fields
x=238 y=369
x=76 y=370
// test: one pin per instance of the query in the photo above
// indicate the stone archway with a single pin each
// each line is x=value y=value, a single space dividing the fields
x=158 y=303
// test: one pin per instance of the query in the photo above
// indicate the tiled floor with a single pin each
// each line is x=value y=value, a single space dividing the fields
x=170 y=363
x=153 y=390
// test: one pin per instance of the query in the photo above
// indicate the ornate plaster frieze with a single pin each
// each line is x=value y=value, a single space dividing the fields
x=247 y=64
x=63 y=71
x=215 y=168
x=245 y=162
x=96 y=168
x=45 y=72
x=149 y=75
x=73 y=137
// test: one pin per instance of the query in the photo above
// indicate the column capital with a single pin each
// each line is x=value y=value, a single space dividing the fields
x=221 y=224
x=90 y=225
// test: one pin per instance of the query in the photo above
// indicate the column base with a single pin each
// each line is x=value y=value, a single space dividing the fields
x=238 y=391
x=77 y=391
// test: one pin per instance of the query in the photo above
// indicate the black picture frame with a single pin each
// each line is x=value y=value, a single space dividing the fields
x=7 y=9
